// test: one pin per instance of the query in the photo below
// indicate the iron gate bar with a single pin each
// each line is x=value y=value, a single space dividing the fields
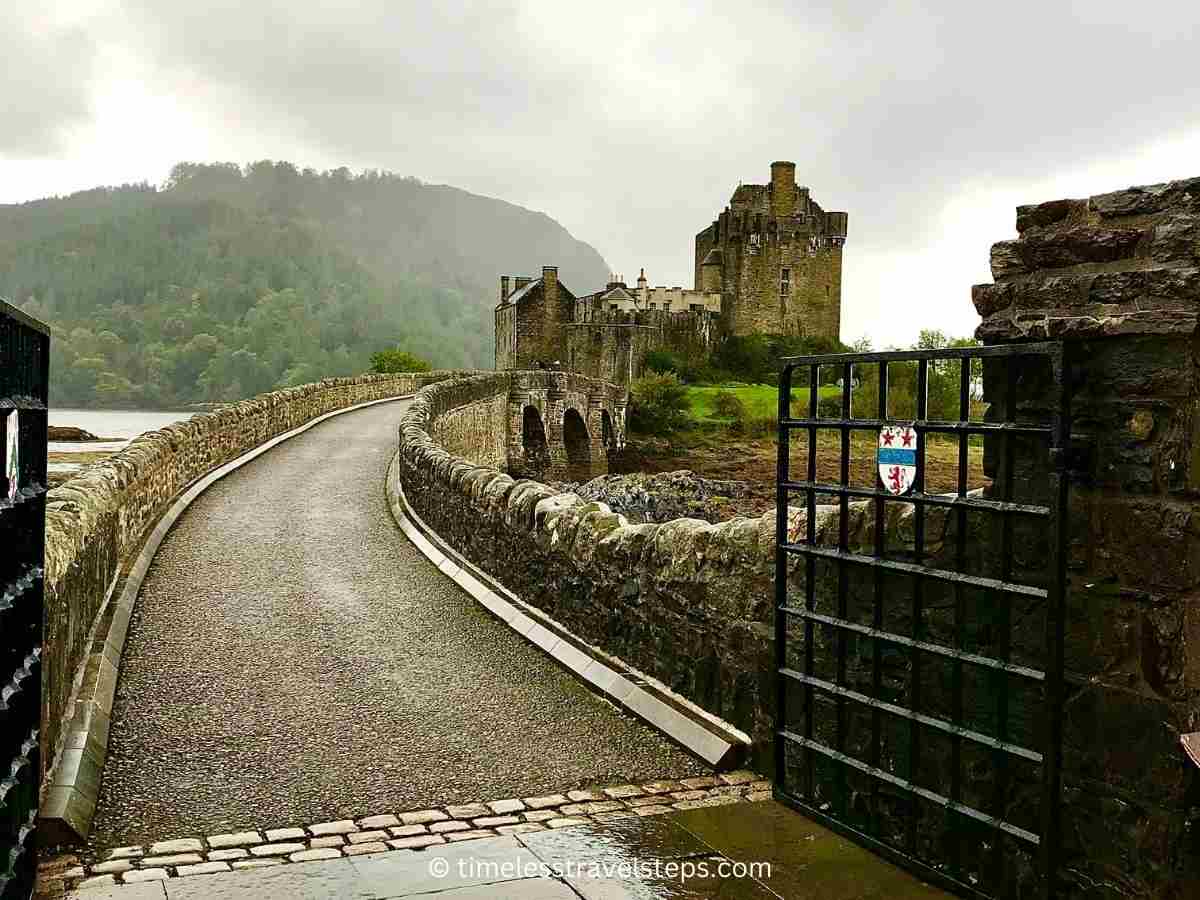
x=934 y=426
x=924 y=793
x=1000 y=746
x=941 y=650
x=906 y=713
x=947 y=500
x=895 y=565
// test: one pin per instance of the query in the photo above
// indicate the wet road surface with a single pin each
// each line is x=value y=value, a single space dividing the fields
x=293 y=659
x=749 y=851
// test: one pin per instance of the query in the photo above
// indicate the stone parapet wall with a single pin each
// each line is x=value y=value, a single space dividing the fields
x=97 y=521
x=687 y=602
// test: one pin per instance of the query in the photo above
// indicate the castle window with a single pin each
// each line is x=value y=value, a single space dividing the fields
x=785 y=281
x=654 y=306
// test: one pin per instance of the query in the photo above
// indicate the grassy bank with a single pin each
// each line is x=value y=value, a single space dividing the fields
x=759 y=400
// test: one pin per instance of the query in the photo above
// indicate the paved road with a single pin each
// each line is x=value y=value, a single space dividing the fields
x=293 y=659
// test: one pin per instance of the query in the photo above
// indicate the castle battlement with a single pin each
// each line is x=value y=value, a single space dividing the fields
x=775 y=257
x=770 y=262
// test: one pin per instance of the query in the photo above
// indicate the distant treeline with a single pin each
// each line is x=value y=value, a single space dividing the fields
x=230 y=281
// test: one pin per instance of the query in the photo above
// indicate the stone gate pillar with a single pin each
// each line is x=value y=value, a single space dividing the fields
x=1116 y=277
x=556 y=408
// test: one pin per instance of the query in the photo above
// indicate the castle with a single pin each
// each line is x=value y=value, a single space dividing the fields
x=771 y=262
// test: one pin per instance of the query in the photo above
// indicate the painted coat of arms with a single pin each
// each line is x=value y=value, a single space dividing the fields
x=897 y=458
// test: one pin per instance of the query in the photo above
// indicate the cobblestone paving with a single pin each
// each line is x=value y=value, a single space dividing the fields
x=293 y=659
x=181 y=857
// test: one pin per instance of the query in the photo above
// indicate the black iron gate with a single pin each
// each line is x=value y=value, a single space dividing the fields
x=919 y=621
x=24 y=368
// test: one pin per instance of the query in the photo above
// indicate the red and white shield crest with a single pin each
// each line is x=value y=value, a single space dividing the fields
x=897 y=458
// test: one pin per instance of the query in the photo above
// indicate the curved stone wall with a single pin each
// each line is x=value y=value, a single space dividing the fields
x=687 y=602
x=97 y=522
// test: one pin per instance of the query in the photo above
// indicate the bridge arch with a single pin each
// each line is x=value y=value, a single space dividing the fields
x=535 y=449
x=578 y=445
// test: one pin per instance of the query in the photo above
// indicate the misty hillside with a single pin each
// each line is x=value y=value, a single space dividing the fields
x=229 y=281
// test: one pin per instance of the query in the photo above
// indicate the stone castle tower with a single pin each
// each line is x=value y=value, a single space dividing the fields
x=776 y=258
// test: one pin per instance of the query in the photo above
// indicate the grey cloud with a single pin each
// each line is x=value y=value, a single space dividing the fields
x=632 y=125
x=45 y=82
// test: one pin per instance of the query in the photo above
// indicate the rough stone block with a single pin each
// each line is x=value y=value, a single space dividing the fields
x=235 y=839
x=385 y=821
x=182 y=845
x=545 y=802
x=366 y=837
x=416 y=842
x=228 y=854
x=285 y=834
x=423 y=817
x=112 y=866
x=144 y=875
x=207 y=868
x=174 y=859
x=504 y=807
x=401 y=831
x=467 y=811
x=277 y=849
x=315 y=854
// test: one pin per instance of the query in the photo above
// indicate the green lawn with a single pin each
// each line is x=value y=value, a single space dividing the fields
x=761 y=400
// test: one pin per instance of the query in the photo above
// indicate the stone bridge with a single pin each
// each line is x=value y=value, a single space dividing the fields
x=562 y=426
x=383 y=633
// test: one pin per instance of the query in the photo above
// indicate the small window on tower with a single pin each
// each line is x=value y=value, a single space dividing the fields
x=785 y=281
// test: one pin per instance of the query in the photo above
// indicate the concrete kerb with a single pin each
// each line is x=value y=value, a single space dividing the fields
x=696 y=730
x=69 y=803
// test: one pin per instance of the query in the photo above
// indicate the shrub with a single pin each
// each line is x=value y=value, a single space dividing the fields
x=387 y=362
x=728 y=405
x=658 y=404
x=662 y=361
x=827 y=407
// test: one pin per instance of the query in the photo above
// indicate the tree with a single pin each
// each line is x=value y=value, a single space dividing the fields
x=659 y=404
x=397 y=360
x=661 y=361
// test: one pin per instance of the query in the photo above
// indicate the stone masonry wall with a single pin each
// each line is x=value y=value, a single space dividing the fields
x=688 y=602
x=97 y=521
x=472 y=428
x=1117 y=277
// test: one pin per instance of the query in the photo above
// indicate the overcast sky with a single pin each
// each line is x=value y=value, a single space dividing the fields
x=632 y=122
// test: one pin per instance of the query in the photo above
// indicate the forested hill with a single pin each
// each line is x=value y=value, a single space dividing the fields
x=230 y=281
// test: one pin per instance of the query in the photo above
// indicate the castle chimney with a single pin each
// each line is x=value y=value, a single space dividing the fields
x=503 y=288
x=550 y=284
x=783 y=189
